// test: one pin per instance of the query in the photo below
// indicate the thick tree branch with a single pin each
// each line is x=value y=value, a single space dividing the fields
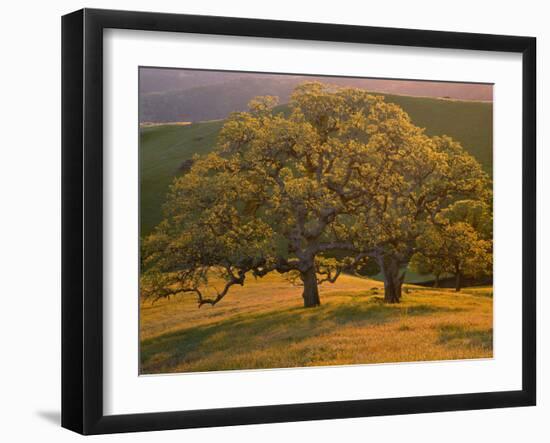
x=233 y=280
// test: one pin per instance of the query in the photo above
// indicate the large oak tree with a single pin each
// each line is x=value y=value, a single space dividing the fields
x=340 y=177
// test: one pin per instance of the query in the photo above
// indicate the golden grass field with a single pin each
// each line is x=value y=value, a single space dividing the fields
x=264 y=325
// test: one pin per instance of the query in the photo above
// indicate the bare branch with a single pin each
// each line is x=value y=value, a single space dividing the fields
x=233 y=280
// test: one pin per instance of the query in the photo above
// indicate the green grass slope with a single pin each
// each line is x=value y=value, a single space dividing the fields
x=471 y=123
x=164 y=148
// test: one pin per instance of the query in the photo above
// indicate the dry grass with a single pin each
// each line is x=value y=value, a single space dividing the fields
x=263 y=325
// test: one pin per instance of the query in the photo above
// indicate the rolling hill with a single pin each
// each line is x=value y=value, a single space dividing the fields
x=187 y=95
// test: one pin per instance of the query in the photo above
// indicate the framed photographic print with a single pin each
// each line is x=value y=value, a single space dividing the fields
x=270 y=221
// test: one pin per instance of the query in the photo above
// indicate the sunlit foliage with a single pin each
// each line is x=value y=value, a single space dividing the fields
x=459 y=243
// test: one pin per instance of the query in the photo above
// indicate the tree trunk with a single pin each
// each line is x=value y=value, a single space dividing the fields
x=458 y=281
x=311 y=290
x=458 y=277
x=393 y=279
x=436 y=281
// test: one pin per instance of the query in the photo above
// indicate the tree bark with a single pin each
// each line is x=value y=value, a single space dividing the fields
x=311 y=289
x=393 y=279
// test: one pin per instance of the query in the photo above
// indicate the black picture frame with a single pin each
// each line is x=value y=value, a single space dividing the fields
x=82 y=218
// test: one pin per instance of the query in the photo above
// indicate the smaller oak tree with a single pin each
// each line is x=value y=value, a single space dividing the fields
x=427 y=174
x=457 y=243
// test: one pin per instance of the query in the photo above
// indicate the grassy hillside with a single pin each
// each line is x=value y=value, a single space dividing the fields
x=264 y=325
x=471 y=123
x=167 y=95
x=211 y=101
x=162 y=151
x=164 y=148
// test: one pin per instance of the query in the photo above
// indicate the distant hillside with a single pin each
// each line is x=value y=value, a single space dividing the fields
x=210 y=102
x=200 y=98
x=167 y=80
x=471 y=123
x=163 y=149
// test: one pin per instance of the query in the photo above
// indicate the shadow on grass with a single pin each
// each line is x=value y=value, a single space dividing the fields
x=487 y=294
x=459 y=336
x=247 y=333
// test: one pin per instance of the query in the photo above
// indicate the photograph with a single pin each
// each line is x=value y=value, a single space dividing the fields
x=297 y=220
x=275 y=222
